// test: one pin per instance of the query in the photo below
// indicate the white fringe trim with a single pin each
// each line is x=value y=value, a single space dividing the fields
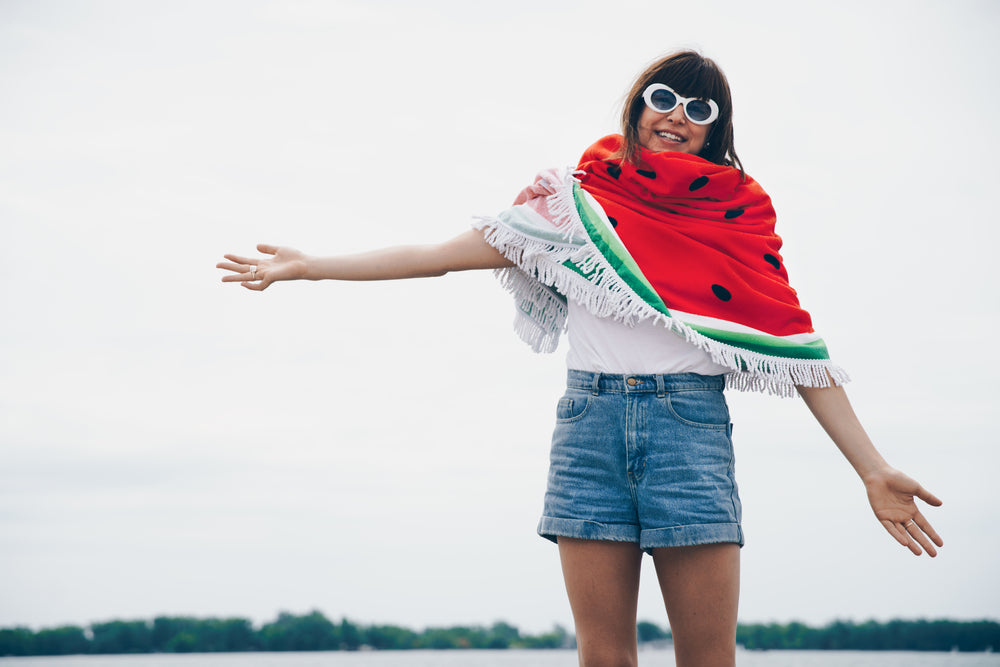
x=541 y=285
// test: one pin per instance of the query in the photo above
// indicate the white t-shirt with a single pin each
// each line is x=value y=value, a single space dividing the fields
x=603 y=345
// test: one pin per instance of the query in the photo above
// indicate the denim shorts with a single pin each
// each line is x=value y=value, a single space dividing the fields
x=643 y=458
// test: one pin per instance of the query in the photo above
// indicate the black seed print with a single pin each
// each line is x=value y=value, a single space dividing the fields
x=614 y=171
x=614 y=223
x=721 y=292
x=772 y=260
x=734 y=213
x=646 y=173
x=698 y=183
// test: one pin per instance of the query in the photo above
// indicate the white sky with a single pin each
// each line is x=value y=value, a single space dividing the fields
x=172 y=445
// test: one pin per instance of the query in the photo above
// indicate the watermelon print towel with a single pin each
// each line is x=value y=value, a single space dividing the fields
x=677 y=239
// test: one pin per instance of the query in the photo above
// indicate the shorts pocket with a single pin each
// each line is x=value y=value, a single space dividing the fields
x=701 y=408
x=572 y=408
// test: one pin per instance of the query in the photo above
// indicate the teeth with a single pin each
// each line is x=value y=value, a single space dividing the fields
x=670 y=136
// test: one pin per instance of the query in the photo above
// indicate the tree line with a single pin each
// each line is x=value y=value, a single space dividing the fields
x=896 y=635
x=315 y=632
x=289 y=632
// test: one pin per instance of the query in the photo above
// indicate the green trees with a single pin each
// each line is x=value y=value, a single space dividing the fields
x=210 y=635
x=649 y=632
x=17 y=641
x=391 y=638
x=121 y=637
x=312 y=632
x=65 y=640
x=897 y=635
x=557 y=638
x=315 y=632
x=289 y=632
x=498 y=636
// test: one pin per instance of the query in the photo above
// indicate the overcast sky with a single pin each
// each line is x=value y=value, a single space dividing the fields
x=173 y=445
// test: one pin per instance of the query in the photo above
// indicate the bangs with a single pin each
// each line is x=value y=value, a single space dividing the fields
x=696 y=78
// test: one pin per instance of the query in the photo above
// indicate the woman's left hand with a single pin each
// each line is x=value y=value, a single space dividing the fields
x=891 y=494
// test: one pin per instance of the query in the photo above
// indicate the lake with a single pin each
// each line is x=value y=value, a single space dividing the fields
x=507 y=658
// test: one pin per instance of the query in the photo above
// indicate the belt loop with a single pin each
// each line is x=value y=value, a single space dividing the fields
x=595 y=386
x=661 y=389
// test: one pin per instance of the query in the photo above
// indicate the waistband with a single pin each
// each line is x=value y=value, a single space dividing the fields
x=659 y=383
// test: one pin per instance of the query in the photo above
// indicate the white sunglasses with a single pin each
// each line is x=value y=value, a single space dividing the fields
x=663 y=99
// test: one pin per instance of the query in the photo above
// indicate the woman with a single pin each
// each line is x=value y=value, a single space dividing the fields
x=661 y=253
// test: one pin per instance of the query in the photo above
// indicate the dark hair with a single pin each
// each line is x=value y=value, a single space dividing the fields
x=691 y=75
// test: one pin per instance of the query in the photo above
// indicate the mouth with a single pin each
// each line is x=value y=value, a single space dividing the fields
x=670 y=136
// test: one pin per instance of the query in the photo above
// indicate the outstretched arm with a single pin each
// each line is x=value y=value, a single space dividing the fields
x=890 y=492
x=464 y=252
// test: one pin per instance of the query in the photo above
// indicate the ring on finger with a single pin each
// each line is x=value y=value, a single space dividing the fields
x=253 y=272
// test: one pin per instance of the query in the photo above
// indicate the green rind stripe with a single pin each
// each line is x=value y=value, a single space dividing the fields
x=764 y=344
x=615 y=253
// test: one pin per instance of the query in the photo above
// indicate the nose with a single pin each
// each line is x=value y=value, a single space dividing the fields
x=677 y=114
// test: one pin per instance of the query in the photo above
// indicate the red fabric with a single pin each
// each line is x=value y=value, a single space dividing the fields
x=699 y=233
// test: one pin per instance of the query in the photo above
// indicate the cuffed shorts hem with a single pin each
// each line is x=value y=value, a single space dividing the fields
x=687 y=536
x=552 y=528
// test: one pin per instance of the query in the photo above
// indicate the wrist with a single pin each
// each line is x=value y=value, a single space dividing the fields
x=874 y=472
x=307 y=269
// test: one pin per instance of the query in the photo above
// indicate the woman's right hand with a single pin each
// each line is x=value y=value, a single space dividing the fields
x=258 y=274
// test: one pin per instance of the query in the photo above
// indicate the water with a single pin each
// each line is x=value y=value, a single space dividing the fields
x=508 y=658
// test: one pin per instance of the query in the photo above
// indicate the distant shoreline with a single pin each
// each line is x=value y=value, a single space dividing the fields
x=315 y=632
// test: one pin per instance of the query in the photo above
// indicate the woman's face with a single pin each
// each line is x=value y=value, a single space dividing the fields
x=671 y=131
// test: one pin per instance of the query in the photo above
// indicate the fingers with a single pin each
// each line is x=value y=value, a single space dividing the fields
x=896 y=530
x=230 y=266
x=240 y=273
x=241 y=267
x=911 y=543
x=902 y=534
x=239 y=259
x=928 y=529
x=246 y=270
x=245 y=279
x=241 y=264
x=916 y=532
x=920 y=529
x=236 y=278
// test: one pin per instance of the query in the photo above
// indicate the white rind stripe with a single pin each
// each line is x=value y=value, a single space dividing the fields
x=723 y=325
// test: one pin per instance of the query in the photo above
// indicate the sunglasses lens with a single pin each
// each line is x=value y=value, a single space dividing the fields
x=663 y=100
x=698 y=111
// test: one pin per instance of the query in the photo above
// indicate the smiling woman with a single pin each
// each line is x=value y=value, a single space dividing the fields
x=658 y=255
x=651 y=116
